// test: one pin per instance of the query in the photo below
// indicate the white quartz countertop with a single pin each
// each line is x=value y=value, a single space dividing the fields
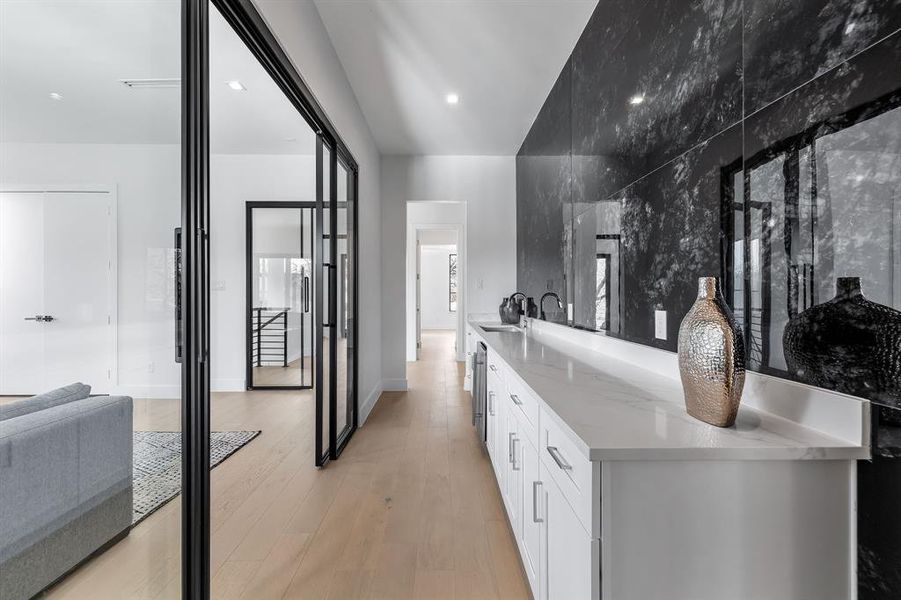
x=618 y=411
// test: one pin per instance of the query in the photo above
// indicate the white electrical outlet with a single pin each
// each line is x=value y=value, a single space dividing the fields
x=660 y=324
x=150 y=367
x=219 y=285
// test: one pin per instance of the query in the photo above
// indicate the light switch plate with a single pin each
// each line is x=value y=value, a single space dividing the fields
x=569 y=311
x=660 y=324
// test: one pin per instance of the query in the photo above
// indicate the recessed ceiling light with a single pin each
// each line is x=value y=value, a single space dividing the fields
x=452 y=98
x=637 y=99
x=159 y=82
x=56 y=96
x=236 y=85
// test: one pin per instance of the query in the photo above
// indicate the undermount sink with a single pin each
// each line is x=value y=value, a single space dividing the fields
x=499 y=328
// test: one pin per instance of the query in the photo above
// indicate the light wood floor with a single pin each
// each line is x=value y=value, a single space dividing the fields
x=410 y=510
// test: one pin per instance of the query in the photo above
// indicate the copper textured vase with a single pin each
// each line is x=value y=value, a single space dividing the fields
x=711 y=357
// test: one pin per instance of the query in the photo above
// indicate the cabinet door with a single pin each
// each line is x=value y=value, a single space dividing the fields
x=490 y=429
x=567 y=550
x=532 y=514
x=513 y=483
x=497 y=444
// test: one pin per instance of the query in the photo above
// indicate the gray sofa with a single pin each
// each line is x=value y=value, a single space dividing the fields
x=65 y=484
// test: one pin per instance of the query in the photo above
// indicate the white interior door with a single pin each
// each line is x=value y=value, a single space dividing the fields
x=418 y=297
x=57 y=290
x=21 y=292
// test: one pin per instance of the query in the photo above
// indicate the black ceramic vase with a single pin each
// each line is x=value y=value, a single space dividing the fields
x=848 y=344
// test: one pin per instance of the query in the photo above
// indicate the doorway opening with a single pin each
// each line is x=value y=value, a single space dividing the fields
x=432 y=224
x=437 y=289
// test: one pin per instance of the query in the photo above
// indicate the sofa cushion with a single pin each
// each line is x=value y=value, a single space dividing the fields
x=68 y=393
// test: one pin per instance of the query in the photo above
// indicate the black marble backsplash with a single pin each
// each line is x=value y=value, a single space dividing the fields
x=759 y=141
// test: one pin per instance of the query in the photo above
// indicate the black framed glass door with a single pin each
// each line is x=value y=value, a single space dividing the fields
x=333 y=303
x=279 y=295
x=335 y=271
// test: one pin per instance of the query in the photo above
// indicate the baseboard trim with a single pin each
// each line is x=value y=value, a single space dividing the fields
x=153 y=392
x=369 y=402
x=228 y=385
x=394 y=385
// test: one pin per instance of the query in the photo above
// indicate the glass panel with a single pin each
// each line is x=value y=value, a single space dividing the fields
x=326 y=355
x=342 y=406
x=280 y=277
x=90 y=160
x=262 y=194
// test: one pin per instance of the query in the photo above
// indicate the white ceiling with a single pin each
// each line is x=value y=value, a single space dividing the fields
x=81 y=49
x=501 y=56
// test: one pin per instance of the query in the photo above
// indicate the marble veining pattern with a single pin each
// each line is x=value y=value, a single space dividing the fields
x=755 y=140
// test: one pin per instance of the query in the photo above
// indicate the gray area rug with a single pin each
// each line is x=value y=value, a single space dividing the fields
x=157 y=465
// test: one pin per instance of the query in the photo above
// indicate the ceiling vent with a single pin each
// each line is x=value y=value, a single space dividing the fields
x=172 y=82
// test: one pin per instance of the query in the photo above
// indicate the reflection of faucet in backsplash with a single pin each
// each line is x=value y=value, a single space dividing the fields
x=543 y=317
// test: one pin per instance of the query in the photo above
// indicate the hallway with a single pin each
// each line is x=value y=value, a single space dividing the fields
x=410 y=510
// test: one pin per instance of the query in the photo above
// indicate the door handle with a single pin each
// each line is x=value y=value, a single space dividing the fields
x=535 y=500
x=41 y=318
x=516 y=399
x=491 y=403
x=558 y=458
x=177 y=256
x=306 y=294
x=515 y=467
x=510 y=437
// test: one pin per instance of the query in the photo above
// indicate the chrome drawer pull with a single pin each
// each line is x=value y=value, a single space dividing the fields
x=510 y=447
x=515 y=467
x=535 y=501
x=491 y=403
x=558 y=458
x=516 y=399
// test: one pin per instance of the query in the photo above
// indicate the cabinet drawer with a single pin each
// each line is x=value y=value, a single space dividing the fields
x=578 y=478
x=528 y=408
x=495 y=367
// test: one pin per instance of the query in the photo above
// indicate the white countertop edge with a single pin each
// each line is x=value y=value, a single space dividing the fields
x=842 y=449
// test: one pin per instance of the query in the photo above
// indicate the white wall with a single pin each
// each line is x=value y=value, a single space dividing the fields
x=486 y=184
x=235 y=179
x=149 y=190
x=148 y=183
x=297 y=25
x=434 y=285
x=147 y=179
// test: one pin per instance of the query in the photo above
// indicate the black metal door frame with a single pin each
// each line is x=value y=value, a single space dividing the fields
x=250 y=205
x=193 y=253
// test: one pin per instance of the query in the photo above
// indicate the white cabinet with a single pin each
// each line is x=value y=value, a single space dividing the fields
x=533 y=522
x=495 y=425
x=513 y=477
x=568 y=552
x=556 y=549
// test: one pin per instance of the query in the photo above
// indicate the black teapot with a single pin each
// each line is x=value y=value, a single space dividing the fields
x=511 y=310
